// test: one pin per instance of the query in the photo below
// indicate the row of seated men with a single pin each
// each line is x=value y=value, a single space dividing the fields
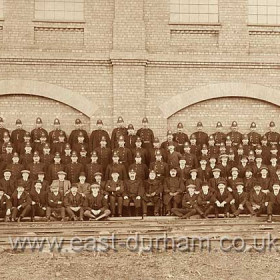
x=170 y=195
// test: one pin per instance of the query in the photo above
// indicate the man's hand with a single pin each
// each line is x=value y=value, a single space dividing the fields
x=138 y=197
x=118 y=188
x=8 y=212
x=125 y=197
x=59 y=202
x=19 y=207
x=33 y=203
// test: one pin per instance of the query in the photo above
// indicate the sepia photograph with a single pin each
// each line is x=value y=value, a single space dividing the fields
x=139 y=139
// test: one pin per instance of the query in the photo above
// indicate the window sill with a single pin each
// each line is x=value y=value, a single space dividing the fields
x=264 y=25
x=59 y=21
x=195 y=24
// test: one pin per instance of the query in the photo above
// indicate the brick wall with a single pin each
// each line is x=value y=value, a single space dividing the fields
x=127 y=58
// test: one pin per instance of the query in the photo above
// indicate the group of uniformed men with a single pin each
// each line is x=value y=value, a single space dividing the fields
x=94 y=176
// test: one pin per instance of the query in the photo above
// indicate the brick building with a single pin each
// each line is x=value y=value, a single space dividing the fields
x=169 y=60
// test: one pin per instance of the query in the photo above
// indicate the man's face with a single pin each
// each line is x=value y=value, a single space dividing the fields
x=15 y=159
x=115 y=159
x=180 y=129
x=259 y=160
x=218 y=129
x=191 y=191
x=120 y=124
x=95 y=191
x=103 y=143
x=98 y=178
x=99 y=126
x=39 y=125
x=173 y=173
x=43 y=139
x=130 y=131
x=1 y=193
x=234 y=173
x=82 y=179
x=228 y=142
x=81 y=139
x=18 y=125
x=138 y=160
x=204 y=151
x=248 y=174
x=67 y=151
x=264 y=142
x=41 y=177
x=205 y=188
x=74 y=158
x=264 y=172
x=57 y=160
x=138 y=144
x=28 y=150
x=187 y=149
x=61 y=138
x=216 y=174
x=74 y=190
x=46 y=151
x=20 y=190
x=234 y=128
x=221 y=187
x=83 y=153
x=152 y=175
x=224 y=160
x=121 y=143
x=115 y=176
x=251 y=157
x=156 y=145
x=244 y=161
x=203 y=162
x=182 y=162
x=272 y=128
x=36 y=158
x=253 y=129
x=56 y=126
x=193 y=175
x=199 y=128
x=94 y=158
x=258 y=151
x=132 y=175
x=276 y=189
x=54 y=189
x=9 y=150
x=158 y=157
x=245 y=141
x=145 y=124
x=38 y=186
x=239 y=188
x=212 y=161
x=240 y=151
x=211 y=142
x=257 y=188
x=273 y=161
x=61 y=177
x=193 y=141
x=169 y=137
x=171 y=148
x=25 y=176
x=7 y=175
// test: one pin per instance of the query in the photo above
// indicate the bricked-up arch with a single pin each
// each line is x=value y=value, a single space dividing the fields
x=195 y=95
x=63 y=95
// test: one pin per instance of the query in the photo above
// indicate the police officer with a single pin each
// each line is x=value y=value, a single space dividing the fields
x=201 y=136
x=120 y=130
x=2 y=129
x=104 y=154
x=17 y=135
x=254 y=137
x=146 y=134
x=219 y=136
x=180 y=137
x=54 y=134
x=36 y=133
x=73 y=138
x=74 y=169
x=235 y=135
x=97 y=135
x=273 y=137
x=131 y=137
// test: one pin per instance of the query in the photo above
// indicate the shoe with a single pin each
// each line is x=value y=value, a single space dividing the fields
x=19 y=219
x=13 y=220
x=144 y=215
x=156 y=214
x=32 y=220
x=81 y=219
x=168 y=213
x=227 y=215
x=7 y=219
x=269 y=220
x=74 y=218
x=120 y=215
x=91 y=219
x=63 y=220
x=48 y=220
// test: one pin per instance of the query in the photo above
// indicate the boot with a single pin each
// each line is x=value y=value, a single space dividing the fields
x=269 y=219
